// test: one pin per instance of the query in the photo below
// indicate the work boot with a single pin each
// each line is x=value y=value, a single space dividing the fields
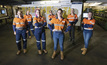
x=82 y=48
x=62 y=55
x=53 y=55
x=29 y=37
x=45 y=51
x=84 y=51
x=24 y=51
x=18 y=52
x=40 y=52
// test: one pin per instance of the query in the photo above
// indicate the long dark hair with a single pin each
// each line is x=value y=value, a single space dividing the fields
x=60 y=10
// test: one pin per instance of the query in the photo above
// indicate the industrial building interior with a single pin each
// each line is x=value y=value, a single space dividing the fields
x=97 y=50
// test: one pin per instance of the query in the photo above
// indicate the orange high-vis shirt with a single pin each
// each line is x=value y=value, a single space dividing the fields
x=59 y=24
x=28 y=17
x=51 y=16
x=20 y=23
x=72 y=18
x=39 y=20
x=87 y=22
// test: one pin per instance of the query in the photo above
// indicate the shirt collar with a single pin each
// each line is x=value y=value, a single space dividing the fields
x=52 y=14
x=28 y=14
x=18 y=17
x=38 y=17
x=61 y=18
x=90 y=19
x=71 y=14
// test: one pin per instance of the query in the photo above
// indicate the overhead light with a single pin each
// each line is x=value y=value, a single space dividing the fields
x=42 y=2
x=52 y=2
x=86 y=4
x=1 y=5
x=45 y=2
x=5 y=6
x=95 y=4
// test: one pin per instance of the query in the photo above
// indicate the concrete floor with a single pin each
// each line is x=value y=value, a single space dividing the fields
x=97 y=51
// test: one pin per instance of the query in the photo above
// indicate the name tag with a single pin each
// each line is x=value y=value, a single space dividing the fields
x=63 y=21
x=91 y=22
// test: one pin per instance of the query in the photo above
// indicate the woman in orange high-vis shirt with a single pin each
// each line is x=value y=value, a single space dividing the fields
x=58 y=31
x=28 y=16
x=72 y=20
x=51 y=16
x=87 y=25
x=20 y=28
x=39 y=23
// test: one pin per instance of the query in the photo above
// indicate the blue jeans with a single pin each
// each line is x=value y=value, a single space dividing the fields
x=51 y=31
x=87 y=34
x=40 y=35
x=30 y=28
x=19 y=34
x=58 y=36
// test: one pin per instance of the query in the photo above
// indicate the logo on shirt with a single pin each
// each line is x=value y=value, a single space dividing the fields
x=63 y=21
x=90 y=21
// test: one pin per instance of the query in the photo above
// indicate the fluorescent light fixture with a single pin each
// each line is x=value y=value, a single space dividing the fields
x=92 y=3
x=33 y=5
x=95 y=4
x=42 y=2
x=52 y=2
x=48 y=3
x=5 y=6
x=1 y=5
x=86 y=4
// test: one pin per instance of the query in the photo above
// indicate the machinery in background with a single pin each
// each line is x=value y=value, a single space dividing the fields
x=101 y=18
x=3 y=12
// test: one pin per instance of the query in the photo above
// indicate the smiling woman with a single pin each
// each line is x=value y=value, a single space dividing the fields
x=88 y=24
x=40 y=23
x=20 y=28
x=58 y=31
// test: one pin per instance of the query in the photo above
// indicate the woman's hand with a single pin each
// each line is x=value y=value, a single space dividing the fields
x=54 y=30
x=73 y=24
x=14 y=32
x=27 y=31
